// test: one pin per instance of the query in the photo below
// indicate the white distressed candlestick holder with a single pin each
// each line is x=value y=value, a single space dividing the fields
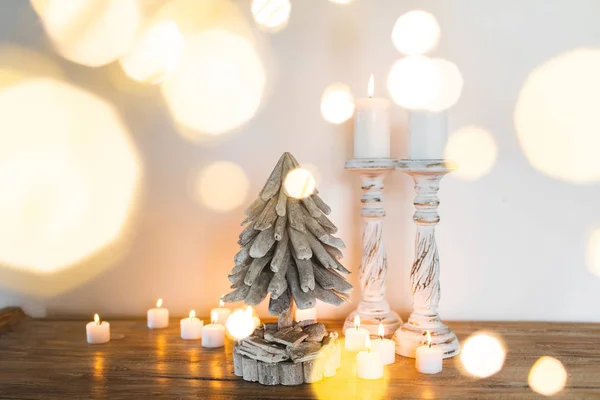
x=373 y=309
x=425 y=272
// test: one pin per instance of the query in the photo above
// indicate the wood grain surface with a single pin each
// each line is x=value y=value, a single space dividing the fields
x=50 y=359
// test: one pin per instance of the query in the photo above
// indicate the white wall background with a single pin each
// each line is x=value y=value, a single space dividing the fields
x=512 y=244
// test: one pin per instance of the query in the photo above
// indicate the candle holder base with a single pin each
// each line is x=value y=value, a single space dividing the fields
x=411 y=335
x=390 y=320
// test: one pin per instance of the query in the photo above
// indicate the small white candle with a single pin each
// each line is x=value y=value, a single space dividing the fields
x=385 y=347
x=355 y=337
x=97 y=332
x=222 y=311
x=427 y=135
x=305 y=315
x=368 y=363
x=429 y=359
x=372 y=126
x=213 y=334
x=191 y=327
x=158 y=317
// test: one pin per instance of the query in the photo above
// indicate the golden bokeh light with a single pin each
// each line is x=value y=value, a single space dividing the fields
x=557 y=120
x=414 y=82
x=271 y=15
x=240 y=324
x=222 y=186
x=155 y=54
x=593 y=252
x=337 y=103
x=416 y=32
x=482 y=355
x=90 y=32
x=475 y=151
x=548 y=376
x=451 y=86
x=299 y=183
x=217 y=86
x=314 y=171
x=62 y=206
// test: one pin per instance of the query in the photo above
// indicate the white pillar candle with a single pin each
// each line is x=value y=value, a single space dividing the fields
x=356 y=337
x=222 y=311
x=305 y=315
x=97 y=332
x=385 y=347
x=368 y=363
x=158 y=317
x=427 y=135
x=429 y=359
x=213 y=335
x=372 y=126
x=191 y=327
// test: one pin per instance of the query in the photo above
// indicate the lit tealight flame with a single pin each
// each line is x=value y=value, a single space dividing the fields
x=214 y=316
x=371 y=89
x=192 y=314
x=428 y=338
x=368 y=343
x=357 y=322
x=380 y=331
x=221 y=303
x=97 y=319
x=159 y=303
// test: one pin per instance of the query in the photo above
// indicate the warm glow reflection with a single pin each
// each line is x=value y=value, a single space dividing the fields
x=218 y=85
x=98 y=365
x=415 y=32
x=155 y=54
x=451 y=86
x=482 y=355
x=475 y=151
x=240 y=324
x=90 y=32
x=192 y=314
x=557 y=119
x=271 y=15
x=337 y=103
x=548 y=376
x=299 y=183
x=593 y=252
x=222 y=186
x=159 y=303
x=414 y=82
x=66 y=201
x=97 y=319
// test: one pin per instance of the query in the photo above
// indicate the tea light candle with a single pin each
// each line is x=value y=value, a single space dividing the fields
x=368 y=363
x=222 y=311
x=372 y=126
x=429 y=359
x=158 y=317
x=213 y=335
x=385 y=347
x=191 y=327
x=97 y=332
x=305 y=315
x=356 y=337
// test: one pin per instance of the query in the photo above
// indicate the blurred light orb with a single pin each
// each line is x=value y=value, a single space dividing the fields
x=65 y=200
x=548 y=376
x=593 y=252
x=450 y=88
x=222 y=186
x=90 y=32
x=299 y=183
x=218 y=85
x=240 y=324
x=557 y=120
x=314 y=171
x=414 y=82
x=271 y=15
x=155 y=54
x=416 y=32
x=482 y=355
x=475 y=151
x=337 y=103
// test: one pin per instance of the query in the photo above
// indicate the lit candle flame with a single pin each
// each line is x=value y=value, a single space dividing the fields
x=371 y=89
x=357 y=322
x=159 y=303
x=428 y=334
x=221 y=303
x=380 y=331
x=368 y=343
x=97 y=319
x=192 y=314
x=214 y=316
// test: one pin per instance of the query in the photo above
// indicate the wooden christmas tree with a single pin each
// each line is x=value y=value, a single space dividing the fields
x=288 y=251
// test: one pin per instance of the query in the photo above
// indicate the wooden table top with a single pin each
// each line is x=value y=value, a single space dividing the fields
x=50 y=359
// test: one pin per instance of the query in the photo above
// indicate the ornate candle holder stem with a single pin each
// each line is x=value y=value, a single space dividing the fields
x=425 y=272
x=373 y=309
